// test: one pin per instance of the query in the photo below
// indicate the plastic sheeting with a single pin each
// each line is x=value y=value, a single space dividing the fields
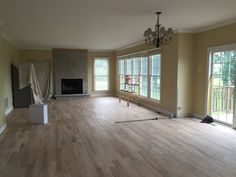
x=23 y=69
x=39 y=76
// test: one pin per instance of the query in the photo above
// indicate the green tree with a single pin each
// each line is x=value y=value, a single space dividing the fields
x=228 y=73
x=227 y=60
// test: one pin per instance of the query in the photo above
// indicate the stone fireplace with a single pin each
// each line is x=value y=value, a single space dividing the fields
x=71 y=72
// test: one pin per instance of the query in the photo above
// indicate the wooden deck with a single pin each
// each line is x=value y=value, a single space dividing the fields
x=82 y=140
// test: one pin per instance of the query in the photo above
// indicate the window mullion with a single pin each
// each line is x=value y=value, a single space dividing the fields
x=139 y=73
x=149 y=77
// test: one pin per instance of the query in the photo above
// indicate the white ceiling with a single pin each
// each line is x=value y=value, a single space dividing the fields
x=104 y=24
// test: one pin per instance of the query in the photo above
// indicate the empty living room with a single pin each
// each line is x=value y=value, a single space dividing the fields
x=114 y=88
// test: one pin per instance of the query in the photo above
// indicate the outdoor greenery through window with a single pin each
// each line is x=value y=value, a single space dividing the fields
x=144 y=72
x=155 y=77
x=101 y=74
x=222 y=85
x=144 y=76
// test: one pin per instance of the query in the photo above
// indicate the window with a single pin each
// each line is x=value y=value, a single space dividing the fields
x=155 y=77
x=144 y=77
x=135 y=74
x=122 y=74
x=128 y=67
x=144 y=71
x=101 y=74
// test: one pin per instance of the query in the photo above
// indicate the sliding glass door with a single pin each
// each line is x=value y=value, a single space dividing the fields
x=222 y=85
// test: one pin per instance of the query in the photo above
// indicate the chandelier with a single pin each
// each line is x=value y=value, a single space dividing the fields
x=159 y=36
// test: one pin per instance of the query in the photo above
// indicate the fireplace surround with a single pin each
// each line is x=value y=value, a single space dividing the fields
x=72 y=86
x=71 y=72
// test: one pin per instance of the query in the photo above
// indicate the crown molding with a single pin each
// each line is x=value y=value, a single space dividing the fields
x=218 y=25
x=9 y=39
x=89 y=50
x=35 y=48
x=130 y=45
x=212 y=27
x=184 y=31
x=142 y=42
x=101 y=50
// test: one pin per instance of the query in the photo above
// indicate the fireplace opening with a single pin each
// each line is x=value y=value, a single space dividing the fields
x=72 y=86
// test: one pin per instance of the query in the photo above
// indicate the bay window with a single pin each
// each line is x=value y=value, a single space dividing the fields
x=145 y=71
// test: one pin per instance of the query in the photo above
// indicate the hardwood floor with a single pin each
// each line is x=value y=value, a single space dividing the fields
x=82 y=140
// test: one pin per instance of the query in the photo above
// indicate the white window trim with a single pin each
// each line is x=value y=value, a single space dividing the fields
x=93 y=77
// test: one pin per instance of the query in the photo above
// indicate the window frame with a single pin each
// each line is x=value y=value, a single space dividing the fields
x=108 y=74
x=210 y=52
x=119 y=74
x=149 y=74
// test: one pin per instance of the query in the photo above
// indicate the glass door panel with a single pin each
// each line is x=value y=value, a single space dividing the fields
x=222 y=84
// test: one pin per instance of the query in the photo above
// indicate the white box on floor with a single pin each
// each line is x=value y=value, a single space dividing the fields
x=39 y=113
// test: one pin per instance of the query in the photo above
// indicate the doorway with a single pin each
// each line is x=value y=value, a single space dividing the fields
x=221 y=85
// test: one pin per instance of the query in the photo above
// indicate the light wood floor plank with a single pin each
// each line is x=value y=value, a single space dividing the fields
x=82 y=140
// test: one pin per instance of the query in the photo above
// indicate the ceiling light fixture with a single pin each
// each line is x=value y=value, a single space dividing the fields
x=159 y=36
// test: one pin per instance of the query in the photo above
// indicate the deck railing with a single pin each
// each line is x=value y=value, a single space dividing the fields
x=222 y=99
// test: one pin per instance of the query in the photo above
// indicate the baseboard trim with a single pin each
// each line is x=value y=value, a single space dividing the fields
x=72 y=95
x=102 y=94
x=3 y=127
x=183 y=115
x=8 y=111
x=198 y=115
x=157 y=109
x=148 y=104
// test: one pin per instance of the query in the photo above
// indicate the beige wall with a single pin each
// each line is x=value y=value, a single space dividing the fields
x=39 y=55
x=185 y=74
x=204 y=40
x=8 y=55
x=133 y=49
x=183 y=60
x=176 y=75
x=112 y=65
x=28 y=55
x=184 y=69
